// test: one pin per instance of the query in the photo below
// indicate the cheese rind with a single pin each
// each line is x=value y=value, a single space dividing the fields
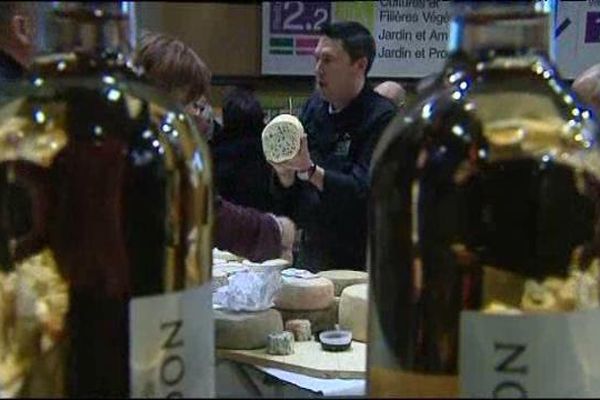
x=304 y=294
x=245 y=330
x=342 y=278
x=353 y=311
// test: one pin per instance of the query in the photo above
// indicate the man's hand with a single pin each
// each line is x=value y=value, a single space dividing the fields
x=288 y=235
x=286 y=170
x=286 y=176
x=301 y=161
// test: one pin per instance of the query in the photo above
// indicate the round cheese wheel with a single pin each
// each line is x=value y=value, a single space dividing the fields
x=353 y=311
x=342 y=278
x=245 y=330
x=230 y=268
x=281 y=138
x=320 y=320
x=275 y=264
x=304 y=294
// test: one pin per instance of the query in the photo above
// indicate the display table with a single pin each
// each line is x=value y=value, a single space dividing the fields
x=309 y=372
x=241 y=380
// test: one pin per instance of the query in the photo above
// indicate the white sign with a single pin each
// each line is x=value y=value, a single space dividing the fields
x=530 y=356
x=577 y=31
x=172 y=345
x=411 y=35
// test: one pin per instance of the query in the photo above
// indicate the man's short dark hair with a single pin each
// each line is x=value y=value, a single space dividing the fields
x=356 y=40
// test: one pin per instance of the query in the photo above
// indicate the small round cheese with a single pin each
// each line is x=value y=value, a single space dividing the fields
x=353 y=311
x=304 y=294
x=342 y=278
x=281 y=138
x=280 y=343
x=300 y=328
x=245 y=330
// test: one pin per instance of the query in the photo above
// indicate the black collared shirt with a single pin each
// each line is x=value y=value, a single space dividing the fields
x=334 y=221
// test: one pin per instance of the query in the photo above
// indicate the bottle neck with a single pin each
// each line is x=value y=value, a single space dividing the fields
x=485 y=34
x=93 y=29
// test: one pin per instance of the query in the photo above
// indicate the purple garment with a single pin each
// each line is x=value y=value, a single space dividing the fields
x=246 y=232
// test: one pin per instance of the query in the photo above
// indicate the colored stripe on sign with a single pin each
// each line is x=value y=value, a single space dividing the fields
x=304 y=52
x=281 y=51
x=282 y=42
x=307 y=42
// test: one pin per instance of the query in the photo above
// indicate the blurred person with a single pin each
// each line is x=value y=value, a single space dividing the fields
x=587 y=87
x=17 y=39
x=392 y=91
x=325 y=187
x=177 y=69
x=241 y=172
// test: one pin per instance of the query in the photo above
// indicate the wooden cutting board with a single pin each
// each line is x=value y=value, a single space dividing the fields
x=308 y=359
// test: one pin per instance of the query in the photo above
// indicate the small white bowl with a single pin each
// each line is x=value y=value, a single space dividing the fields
x=335 y=340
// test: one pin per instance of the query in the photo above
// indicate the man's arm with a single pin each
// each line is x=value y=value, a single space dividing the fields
x=252 y=234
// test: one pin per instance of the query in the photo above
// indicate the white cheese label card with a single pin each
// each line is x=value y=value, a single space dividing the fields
x=532 y=355
x=172 y=345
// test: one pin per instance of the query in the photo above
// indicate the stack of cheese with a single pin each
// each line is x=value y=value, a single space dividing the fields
x=307 y=296
x=226 y=264
x=243 y=330
x=351 y=300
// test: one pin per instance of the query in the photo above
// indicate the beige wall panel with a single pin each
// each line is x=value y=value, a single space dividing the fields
x=226 y=36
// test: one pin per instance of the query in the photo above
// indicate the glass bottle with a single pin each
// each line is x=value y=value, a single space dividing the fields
x=105 y=223
x=483 y=224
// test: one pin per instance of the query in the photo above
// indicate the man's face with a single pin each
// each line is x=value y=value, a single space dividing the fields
x=336 y=74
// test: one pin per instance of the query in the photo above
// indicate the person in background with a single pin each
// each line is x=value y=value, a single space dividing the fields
x=208 y=123
x=17 y=39
x=324 y=188
x=241 y=172
x=393 y=91
x=587 y=87
x=177 y=69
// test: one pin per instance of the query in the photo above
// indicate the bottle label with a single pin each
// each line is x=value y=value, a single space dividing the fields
x=172 y=345
x=533 y=355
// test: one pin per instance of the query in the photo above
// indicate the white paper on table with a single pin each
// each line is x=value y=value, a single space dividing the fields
x=328 y=387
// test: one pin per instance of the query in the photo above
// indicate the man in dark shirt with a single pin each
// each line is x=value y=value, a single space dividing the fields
x=16 y=39
x=324 y=188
